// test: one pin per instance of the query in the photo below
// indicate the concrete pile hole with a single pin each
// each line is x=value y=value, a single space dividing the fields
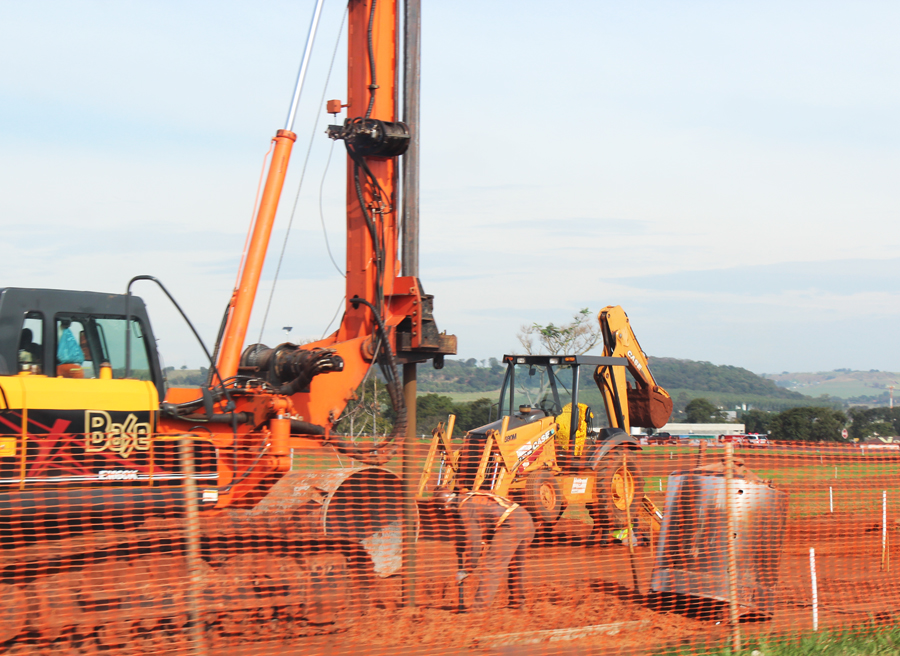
x=319 y=566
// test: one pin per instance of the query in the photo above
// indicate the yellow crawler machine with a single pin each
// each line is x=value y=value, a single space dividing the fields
x=531 y=454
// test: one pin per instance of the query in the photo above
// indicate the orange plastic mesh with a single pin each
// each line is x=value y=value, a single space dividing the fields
x=339 y=558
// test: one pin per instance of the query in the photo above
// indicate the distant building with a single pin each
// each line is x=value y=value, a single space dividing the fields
x=702 y=430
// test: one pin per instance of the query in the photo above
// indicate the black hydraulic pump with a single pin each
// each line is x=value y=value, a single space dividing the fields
x=287 y=367
x=370 y=137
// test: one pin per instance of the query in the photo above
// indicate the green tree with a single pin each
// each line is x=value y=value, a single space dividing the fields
x=881 y=429
x=756 y=421
x=574 y=338
x=431 y=409
x=809 y=424
x=473 y=414
x=701 y=411
x=864 y=420
x=434 y=408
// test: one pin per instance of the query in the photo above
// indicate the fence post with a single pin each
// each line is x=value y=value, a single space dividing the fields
x=410 y=487
x=630 y=536
x=815 y=588
x=192 y=535
x=734 y=618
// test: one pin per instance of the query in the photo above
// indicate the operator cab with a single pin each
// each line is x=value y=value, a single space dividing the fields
x=75 y=334
x=538 y=386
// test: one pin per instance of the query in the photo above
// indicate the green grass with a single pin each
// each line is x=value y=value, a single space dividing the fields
x=842 y=389
x=866 y=640
x=816 y=502
x=840 y=472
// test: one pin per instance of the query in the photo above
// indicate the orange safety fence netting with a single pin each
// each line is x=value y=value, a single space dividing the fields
x=336 y=557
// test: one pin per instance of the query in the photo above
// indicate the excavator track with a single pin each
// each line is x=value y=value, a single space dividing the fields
x=296 y=564
x=136 y=593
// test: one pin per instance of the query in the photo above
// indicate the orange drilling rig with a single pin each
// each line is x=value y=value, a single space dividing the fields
x=95 y=450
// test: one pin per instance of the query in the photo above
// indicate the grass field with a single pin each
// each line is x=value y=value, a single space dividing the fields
x=835 y=473
x=867 y=640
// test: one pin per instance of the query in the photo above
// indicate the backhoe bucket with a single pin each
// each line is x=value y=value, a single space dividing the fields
x=649 y=408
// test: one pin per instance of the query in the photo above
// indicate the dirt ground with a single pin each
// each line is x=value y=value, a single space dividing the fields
x=571 y=583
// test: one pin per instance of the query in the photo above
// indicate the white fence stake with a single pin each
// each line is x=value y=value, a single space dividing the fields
x=815 y=590
x=885 y=557
x=830 y=500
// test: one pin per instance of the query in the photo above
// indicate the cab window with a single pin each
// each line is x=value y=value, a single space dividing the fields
x=31 y=338
x=85 y=343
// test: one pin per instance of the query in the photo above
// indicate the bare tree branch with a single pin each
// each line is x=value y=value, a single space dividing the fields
x=574 y=338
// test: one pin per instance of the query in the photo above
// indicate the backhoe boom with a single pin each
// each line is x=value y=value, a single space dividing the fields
x=648 y=405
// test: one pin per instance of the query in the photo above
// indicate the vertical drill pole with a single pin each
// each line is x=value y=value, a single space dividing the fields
x=410 y=267
x=411 y=78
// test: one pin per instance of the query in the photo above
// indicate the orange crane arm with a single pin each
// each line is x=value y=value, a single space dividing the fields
x=244 y=295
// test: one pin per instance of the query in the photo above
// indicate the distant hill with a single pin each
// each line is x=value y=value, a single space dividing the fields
x=727 y=386
x=847 y=384
x=685 y=379
x=705 y=377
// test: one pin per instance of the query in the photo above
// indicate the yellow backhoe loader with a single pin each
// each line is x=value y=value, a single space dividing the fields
x=530 y=453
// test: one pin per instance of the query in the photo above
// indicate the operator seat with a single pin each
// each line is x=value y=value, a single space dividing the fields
x=569 y=442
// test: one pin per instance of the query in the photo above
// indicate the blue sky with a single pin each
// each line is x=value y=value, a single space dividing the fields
x=727 y=172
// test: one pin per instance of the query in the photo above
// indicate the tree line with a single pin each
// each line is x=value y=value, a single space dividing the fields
x=371 y=413
x=487 y=375
x=822 y=424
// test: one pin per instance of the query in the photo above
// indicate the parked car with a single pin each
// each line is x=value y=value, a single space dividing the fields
x=662 y=438
x=756 y=441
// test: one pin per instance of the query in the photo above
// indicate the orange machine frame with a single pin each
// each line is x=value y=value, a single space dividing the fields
x=261 y=451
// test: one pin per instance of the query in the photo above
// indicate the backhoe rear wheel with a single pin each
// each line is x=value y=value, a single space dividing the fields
x=543 y=497
x=620 y=486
